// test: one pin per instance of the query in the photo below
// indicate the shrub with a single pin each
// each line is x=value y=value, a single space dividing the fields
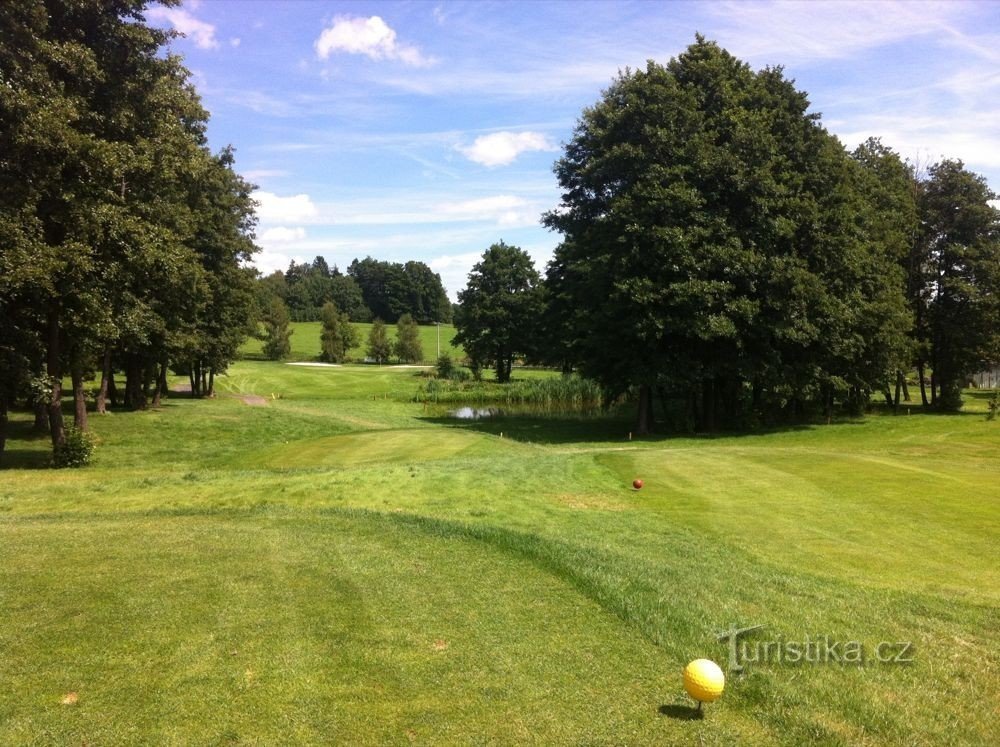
x=993 y=406
x=445 y=367
x=77 y=449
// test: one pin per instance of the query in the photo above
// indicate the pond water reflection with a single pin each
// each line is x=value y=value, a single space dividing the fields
x=487 y=412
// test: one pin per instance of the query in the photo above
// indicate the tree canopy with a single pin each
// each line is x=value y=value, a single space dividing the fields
x=715 y=238
x=123 y=239
x=500 y=309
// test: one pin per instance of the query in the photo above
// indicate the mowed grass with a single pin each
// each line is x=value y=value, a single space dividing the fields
x=305 y=342
x=341 y=565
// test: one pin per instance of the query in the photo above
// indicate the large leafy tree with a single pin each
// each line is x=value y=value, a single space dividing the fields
x=959 y=292
x=714 y=247
x=123 y=239
x=500 y=309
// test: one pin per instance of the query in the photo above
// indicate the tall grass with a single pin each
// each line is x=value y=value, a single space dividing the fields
x=558 y=391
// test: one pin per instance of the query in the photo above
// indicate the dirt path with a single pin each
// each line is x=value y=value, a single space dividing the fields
x=254 y=400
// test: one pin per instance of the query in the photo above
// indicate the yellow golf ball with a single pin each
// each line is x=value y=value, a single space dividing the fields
x=703 y=680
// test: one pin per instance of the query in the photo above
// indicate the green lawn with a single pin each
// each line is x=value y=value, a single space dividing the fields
x=343 y=565
x=306 y=347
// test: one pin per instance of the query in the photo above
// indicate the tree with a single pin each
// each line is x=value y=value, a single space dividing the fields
x=379 y=347
x=346 y=294
x=338 y=336
x=890 y=187
x=277 y=343
x=960 y=286
x=712 y=252
x=390 y=290
x=499 y=309
x=408 y=348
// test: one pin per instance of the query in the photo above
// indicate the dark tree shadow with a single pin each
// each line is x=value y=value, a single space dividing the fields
x=681 y=712
x=575 y=428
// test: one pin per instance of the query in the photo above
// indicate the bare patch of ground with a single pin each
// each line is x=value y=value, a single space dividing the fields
x=254 y=400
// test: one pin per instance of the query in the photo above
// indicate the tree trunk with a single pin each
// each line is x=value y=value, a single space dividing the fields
x=161 y=382
x=112 y=388
x=102 y=394
x=3 y=424
x=644 y=418
x=906 y=389
x=191 y=379
x=164 y=387
x=899 y=389
x=79 y=395
x=135 y=394
x=934 y=383
x=211 y=380
x=54 y=372
x=148 y=379
x=923 y=388
x=708 y=404
x=41 y=416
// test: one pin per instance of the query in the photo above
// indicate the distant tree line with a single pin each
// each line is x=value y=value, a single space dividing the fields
x=124 y=240
x=371 y=289
x=726 y=262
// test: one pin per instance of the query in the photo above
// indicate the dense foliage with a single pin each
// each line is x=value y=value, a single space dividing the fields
x=746 y=267
x=123 y=239
x=407 y=347
x=500 y=309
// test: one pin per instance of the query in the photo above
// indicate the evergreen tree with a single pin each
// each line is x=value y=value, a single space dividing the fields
x=408 y=347
x=379 y=347
x=277 y=342
x=337 y=337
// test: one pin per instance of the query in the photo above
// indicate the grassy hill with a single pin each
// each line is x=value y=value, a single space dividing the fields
x=306 y=347
x=340 y=564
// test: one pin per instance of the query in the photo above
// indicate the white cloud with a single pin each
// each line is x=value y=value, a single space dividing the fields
x=501 y=148
x=269 y=260
x=235 y=41
x=454 y=270
x=254 y=175
x=505 y=210
x=969 y=135
x=282 y=235
x=200 y=32
x=275 y=209
x=371 y=37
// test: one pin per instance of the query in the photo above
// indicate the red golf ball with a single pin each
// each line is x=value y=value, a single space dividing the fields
x=637 y=483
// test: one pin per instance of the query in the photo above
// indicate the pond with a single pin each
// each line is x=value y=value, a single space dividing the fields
x=484 y=412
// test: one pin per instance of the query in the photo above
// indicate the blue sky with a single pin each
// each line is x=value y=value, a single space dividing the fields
x=428 y=130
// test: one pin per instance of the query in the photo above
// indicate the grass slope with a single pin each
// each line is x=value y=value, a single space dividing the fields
x=306 y=344
x=342 y=565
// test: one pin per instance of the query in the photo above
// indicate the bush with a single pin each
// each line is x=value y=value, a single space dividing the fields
x=993 y=406
x=77 y=450
x=445 y=367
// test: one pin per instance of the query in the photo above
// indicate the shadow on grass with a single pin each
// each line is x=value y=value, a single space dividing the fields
x=25 y=459
x=681 y=712
x=566 y=429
